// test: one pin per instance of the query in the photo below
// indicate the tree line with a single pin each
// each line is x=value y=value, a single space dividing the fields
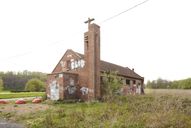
x=166 y=84
x=17 y=81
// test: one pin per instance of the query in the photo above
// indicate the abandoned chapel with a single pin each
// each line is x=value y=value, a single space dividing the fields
x=79 y=76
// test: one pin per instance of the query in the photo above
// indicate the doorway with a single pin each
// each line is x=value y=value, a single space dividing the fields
x=54 y=91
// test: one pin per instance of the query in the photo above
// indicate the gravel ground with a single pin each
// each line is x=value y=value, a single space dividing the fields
x=8 y=124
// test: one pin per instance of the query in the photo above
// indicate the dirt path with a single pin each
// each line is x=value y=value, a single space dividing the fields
x=8 y=124
x=23 y=108
x=19 y=110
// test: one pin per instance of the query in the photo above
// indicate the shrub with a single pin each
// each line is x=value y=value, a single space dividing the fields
x=1 y=85
x=35 y=85
x=111 y=85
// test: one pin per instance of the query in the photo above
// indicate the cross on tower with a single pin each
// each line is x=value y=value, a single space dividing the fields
x=89 y=21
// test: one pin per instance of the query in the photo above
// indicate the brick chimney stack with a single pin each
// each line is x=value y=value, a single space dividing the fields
x=92 y=60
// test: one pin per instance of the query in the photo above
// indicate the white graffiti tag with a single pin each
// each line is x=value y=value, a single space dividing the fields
x=84 y=90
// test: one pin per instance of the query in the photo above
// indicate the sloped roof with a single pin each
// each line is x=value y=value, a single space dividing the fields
x=124 y=71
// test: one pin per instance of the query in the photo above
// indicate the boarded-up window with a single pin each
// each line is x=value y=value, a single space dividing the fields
x=127 y=81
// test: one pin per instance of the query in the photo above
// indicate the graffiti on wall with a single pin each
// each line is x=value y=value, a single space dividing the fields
x=71 y=88
x=54 y=90
x=85 y=90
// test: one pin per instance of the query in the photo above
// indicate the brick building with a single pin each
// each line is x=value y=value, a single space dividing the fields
x=77 y=76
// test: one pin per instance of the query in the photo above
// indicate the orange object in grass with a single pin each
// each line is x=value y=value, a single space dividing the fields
x=36 y=100
x=3 y=102
x=20 y=101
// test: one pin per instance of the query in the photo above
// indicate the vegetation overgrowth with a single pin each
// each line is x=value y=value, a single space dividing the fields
x=132 y=111
x=183 y=93
x=166 y=84
x=111 y=85
x=35 y=85
x=1 y=84
x=16 y=81
x=8 y=95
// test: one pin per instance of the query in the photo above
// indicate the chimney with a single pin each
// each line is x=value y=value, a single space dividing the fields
x=92 y=58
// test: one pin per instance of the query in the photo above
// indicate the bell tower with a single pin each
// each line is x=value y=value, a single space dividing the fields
x=92 y=59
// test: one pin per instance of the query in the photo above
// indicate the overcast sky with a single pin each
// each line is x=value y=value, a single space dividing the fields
x=153 y=38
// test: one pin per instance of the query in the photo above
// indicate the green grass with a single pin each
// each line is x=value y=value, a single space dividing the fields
x=4 y=92
x=174 y=92
x=158 y=110
x=8 y=95
x=148 y=111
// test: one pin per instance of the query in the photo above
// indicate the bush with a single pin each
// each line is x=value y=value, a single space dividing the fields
x=1 y=85
x=35 y=85
x=111 y=85
x=165 y=84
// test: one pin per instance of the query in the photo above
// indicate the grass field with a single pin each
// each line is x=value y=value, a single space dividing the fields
x=152 y=110
x=174 y=92
x=8 y=95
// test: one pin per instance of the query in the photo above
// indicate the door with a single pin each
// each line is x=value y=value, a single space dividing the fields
x=54 y=91
x=70 y=91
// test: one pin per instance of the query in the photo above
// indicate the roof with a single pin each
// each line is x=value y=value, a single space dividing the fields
x=123 y=71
